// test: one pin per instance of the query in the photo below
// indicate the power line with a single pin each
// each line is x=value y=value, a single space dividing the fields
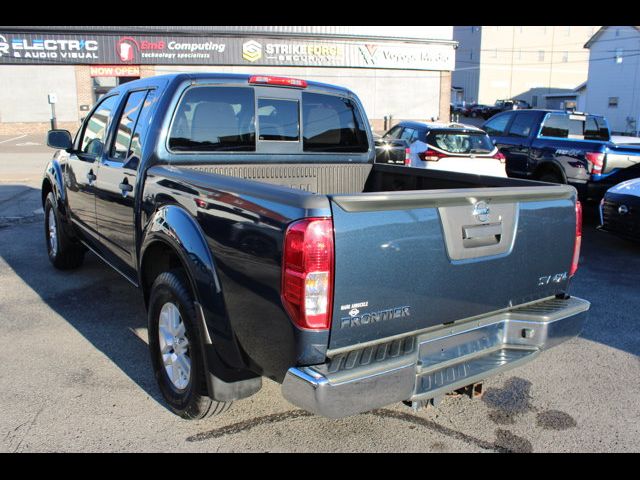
x=546 y=63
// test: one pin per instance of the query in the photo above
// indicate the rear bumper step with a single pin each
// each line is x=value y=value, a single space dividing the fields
x=444 y=360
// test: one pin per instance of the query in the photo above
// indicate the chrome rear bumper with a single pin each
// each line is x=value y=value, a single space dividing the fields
x=435 y=362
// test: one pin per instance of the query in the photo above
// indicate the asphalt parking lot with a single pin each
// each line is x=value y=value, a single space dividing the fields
x=76 y=373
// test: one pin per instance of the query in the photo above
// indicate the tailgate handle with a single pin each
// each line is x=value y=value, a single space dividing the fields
x=481 y=235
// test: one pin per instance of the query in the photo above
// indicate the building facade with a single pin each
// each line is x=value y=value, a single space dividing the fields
x=524 y=62
x=613 y=86
x=398 y=72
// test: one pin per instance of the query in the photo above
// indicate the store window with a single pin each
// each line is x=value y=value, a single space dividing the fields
x=101 y=85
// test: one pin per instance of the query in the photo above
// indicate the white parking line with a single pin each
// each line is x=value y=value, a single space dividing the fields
x=12 y=139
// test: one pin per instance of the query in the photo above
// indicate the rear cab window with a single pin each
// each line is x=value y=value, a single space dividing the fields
x=575 y=127
x=211 y=118
x=332 y=124
x=214 y=119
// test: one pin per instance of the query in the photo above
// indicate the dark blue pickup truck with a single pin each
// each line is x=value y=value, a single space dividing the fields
x=563 y=147
x=266 y=243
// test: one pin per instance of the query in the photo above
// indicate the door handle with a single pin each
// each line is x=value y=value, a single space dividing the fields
x=91 y=177
x=125 y=187
x=481 y=235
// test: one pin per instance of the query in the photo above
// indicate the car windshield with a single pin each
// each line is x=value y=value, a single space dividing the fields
x=460 y=142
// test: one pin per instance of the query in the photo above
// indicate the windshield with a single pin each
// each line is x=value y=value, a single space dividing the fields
x=461 y=142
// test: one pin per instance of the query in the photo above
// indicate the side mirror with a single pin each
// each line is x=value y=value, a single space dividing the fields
x=59 y=139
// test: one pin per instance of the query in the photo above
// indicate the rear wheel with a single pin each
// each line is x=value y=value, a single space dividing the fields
x=174 y=345
x=64 y=253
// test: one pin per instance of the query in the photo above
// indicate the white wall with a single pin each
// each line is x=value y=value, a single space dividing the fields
x=24 y=90
x=405 y=94
x=467 y=72
x=610 y=79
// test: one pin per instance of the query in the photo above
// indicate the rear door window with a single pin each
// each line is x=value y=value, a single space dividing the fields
x=408 y=134
x=498 y=125
x=210 y=119
x=126 y=125
x=332 y=124
x=522 y=125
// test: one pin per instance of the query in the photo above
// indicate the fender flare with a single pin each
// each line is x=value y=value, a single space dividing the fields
x=229 y=377
x=552 y=163
x=54 y=176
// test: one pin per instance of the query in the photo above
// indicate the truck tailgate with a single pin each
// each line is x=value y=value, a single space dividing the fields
x=406 y=261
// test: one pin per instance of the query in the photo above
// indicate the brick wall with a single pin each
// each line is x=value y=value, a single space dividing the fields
x=84 y=86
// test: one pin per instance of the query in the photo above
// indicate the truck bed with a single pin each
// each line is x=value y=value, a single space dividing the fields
x=408 y=238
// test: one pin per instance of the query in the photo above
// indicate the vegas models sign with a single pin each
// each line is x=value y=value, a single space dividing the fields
x=51 y=49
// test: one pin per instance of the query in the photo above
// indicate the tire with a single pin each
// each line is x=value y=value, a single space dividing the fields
x=186 y=394
x=550 y=177
x=63 y=252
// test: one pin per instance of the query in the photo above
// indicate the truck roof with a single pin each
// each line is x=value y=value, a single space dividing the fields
x=204 y=76
x=550 y=110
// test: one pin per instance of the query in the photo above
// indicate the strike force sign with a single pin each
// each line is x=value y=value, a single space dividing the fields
x=32 y=48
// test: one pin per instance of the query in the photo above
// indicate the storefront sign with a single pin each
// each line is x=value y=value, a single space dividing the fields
x=31 y=48
x=114 y=71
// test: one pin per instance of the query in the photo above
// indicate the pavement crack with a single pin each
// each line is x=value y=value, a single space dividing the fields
x=430 y=424
x=30 y=423
x=248 y=425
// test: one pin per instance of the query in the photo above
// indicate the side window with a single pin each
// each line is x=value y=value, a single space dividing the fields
x=497 y=125
x=126 y=126
x=417 y=135
x=142 y=127
x=210 y=119
x=393 y=133
x=522 y=125
x=555 y=126
x=278 y=120
x=95 y=130
x=407 y=134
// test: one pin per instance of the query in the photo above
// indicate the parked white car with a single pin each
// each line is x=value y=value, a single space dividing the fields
x=452 y=147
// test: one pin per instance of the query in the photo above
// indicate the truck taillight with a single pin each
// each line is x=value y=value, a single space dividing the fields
x=430 y=155
x=280 y=81
x=500 y=156
x=407 y=157
x=307 y=272
x=595 y=161
x=578 y=241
